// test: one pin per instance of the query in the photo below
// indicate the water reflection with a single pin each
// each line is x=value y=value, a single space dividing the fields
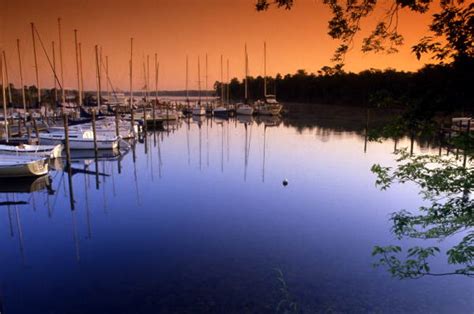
x=26 y=185
x=193 y=218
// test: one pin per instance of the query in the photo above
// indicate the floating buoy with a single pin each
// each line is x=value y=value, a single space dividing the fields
x=285 y=182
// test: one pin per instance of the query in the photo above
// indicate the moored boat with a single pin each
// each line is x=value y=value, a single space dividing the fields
x=270 y=107
x=221 y=111
x=49 y=151
x=80 y=140
x=245 y=110
x=199 y=111
x=22 y=166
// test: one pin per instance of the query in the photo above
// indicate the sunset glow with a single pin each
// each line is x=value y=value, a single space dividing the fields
x=296 y=39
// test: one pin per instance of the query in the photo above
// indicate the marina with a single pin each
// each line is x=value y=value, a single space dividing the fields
x=236 y=157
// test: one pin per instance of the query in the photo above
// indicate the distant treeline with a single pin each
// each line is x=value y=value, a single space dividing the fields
x=432 y=88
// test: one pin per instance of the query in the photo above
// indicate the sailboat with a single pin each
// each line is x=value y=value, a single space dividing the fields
x=49 y=151
x=245 y=109
x=187 y=110
x=104 y=127
x=199 y=110
x=22 y=166
x=221 y=110
x=269 y=106
x=80 y=139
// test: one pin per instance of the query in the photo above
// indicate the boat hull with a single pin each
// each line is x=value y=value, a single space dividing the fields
x=49 y=151
x=84 y=143
x=199 y=111
x=245 y=111
x=23 y=168
x=222 y=112
x=270 y=110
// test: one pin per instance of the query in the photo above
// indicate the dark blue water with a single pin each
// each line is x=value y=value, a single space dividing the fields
x=200 y=221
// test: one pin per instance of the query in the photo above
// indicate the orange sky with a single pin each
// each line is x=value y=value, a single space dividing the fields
x=296 y=39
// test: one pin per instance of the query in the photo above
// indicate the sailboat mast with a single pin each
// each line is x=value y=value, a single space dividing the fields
x=187 y=93
x=78 y=70
x=7 y=79
x=63 y=95
x=107 y=80
x=206 y=73
x=264 y=69
x=145 y=80
x=199 y=80
x=23 y=97
x=101 y=64
x=157 y=66
x=81 y=90
x=147 y=77
x=5 y=119
x=98 y=74
x=246 y=74
x=54 y=73
x=228 y=85
x=131 y=72
x=36 y=63
x=222 y=81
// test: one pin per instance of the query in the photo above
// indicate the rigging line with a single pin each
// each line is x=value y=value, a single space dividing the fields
x=109 y=80
x=47 y=57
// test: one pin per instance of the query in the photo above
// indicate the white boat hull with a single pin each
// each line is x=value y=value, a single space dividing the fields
x=245 y=111
x=14 y=167
x=125 y=132
x=49 y=151
x=220 y=111
x=270 y=110
x=103 y=142
x=199 y=111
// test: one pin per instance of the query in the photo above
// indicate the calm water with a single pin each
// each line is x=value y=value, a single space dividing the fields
x=199 y=222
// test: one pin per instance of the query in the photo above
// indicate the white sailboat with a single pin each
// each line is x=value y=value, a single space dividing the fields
x=199 y=110
x=80 y=140
x=269 y=106
x=221 y=110
x=49 y=151
x=104 y=127
x=22 y=166
x=245 y=109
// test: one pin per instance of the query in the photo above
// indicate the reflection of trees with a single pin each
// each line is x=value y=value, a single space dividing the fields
x=446 y=185
x=334 y=118
x=327 y=121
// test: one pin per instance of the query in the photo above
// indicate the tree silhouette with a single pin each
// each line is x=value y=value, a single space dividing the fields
x=446 y=185
x=452 y=27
